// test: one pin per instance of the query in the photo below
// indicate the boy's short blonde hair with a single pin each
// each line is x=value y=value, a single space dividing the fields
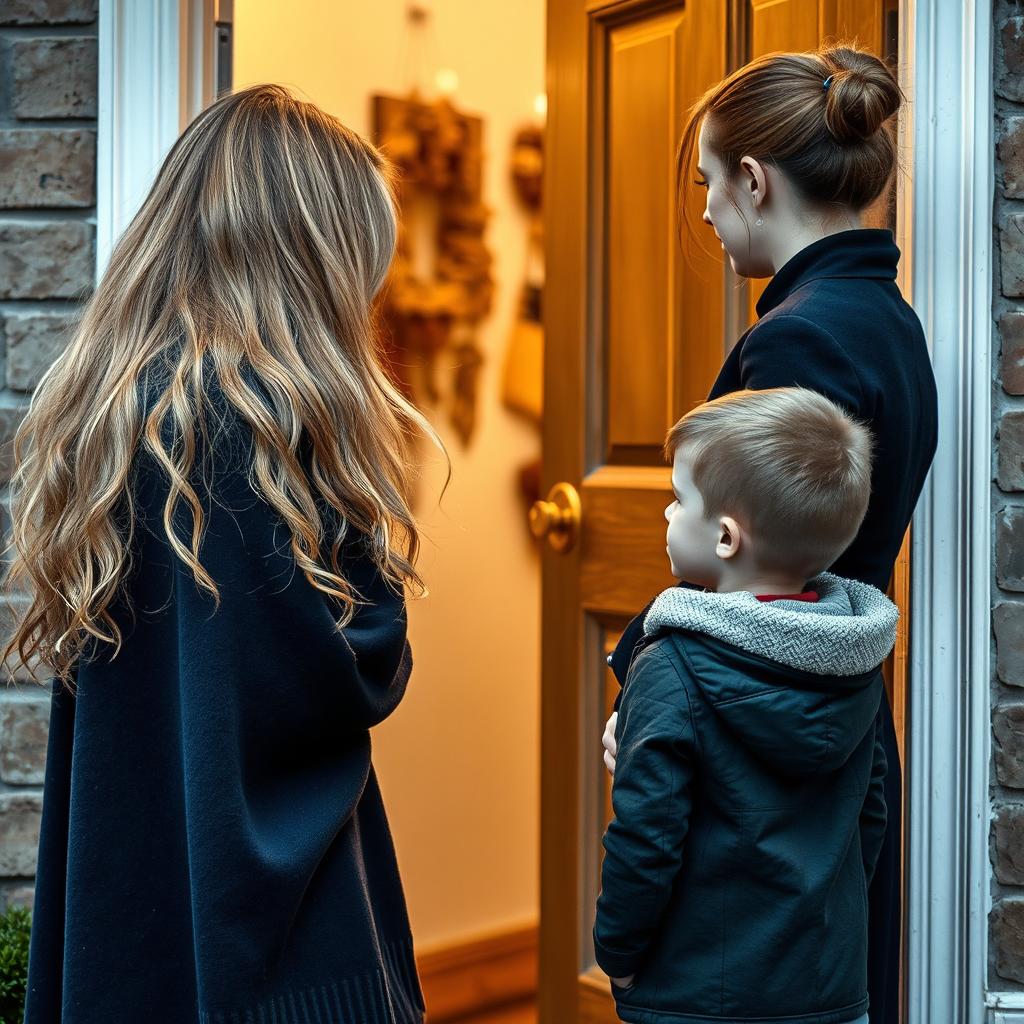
x=791 y=466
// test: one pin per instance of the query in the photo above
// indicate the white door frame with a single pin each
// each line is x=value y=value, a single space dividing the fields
x=155 y=75
x=151 y=63
x=947 y=233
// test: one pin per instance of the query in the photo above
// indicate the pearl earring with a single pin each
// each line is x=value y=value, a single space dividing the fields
x=760 y=221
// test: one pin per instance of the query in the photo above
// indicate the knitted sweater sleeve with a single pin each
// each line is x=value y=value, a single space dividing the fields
x=271 y=640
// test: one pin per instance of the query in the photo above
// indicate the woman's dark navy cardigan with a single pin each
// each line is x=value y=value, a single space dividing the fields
x=833 y=320
x=214 y=848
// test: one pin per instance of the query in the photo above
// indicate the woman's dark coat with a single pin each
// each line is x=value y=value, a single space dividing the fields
x=214 y=848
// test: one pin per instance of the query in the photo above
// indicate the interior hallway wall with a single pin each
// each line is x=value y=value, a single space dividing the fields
x=458 y=762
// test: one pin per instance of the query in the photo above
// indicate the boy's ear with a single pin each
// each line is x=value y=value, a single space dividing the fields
x=728 y=538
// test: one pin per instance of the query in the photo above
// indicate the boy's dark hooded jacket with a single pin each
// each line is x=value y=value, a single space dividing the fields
x=748 y=809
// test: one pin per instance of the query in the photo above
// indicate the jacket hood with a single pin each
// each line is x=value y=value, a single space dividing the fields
x=808 y=672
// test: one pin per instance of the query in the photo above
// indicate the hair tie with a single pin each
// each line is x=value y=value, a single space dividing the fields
x=827 y=82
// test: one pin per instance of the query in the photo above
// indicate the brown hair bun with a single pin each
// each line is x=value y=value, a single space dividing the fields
x=832 y=142
x=861 y=96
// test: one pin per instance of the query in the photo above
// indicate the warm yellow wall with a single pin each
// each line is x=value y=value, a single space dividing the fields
x=458 y=762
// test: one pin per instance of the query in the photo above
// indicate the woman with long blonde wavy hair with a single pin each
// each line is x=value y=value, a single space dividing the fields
x=212 y=525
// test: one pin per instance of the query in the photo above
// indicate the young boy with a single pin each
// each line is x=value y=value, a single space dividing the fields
x=748 y=780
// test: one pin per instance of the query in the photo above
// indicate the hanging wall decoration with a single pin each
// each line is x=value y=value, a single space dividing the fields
x=439 y=155
x=523 y=378
x=523 y=383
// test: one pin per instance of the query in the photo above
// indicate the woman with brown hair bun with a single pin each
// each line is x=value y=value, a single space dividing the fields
x=791 y=149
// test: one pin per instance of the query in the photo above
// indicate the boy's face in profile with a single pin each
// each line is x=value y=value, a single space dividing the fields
x=692 y=538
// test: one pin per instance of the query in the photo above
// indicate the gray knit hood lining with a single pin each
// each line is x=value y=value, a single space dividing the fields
x=850 y=630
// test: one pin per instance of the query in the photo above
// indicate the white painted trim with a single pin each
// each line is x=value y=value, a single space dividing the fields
x=948 y=742
x=1010 y=1001
x=198 y=42
x=140 y=108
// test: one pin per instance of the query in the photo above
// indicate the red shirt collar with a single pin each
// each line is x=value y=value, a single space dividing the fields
x=807 y=595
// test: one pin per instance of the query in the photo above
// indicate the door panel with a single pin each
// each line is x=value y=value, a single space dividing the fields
x=859 y=21
x=641 y=259
x=782 y=25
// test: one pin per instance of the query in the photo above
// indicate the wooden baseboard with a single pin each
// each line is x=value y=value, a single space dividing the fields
x=480 y=973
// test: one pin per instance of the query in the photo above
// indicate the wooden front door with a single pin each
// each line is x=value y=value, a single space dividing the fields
x=635 y=334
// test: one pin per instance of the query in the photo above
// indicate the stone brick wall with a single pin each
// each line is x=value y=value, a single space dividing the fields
x=47 y=240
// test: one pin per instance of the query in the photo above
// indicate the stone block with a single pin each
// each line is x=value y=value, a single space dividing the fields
x=47 y=167
x=1008 y=844
x=1011 y=369
x=53 y=77
x=24 y=726
x=10 y=419
x=35 y=675
x=1011 y=155
x=34 y=340
x=1008 y=625
x=1011 y=251
x=1009 y=70
x=1008 y=728
x=53 y=260
x=47 y=12
x=1010 y=471
x=1010 y=549
x=5 y=519
x=20 y=815
x=18 y=896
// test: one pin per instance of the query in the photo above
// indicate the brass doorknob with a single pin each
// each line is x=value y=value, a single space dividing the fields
x=558 y=518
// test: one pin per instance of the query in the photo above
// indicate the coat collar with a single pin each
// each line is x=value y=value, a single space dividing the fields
x=849 y=631
x=862 y=252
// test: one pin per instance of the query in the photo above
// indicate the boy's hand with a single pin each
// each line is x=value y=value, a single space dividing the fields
x=623 y=982
x=610 y=746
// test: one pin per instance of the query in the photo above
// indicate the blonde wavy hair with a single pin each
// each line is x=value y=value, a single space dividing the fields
x=258 y=254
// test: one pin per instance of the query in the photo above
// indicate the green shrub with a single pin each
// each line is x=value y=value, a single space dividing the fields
x=14 y=931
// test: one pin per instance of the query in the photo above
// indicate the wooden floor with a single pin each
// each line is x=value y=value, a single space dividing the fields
x=520 y=1013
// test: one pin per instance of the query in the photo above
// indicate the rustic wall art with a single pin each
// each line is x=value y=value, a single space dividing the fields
x=438 y=152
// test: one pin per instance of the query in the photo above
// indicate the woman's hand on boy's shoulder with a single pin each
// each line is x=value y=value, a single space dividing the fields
x=611 y=748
